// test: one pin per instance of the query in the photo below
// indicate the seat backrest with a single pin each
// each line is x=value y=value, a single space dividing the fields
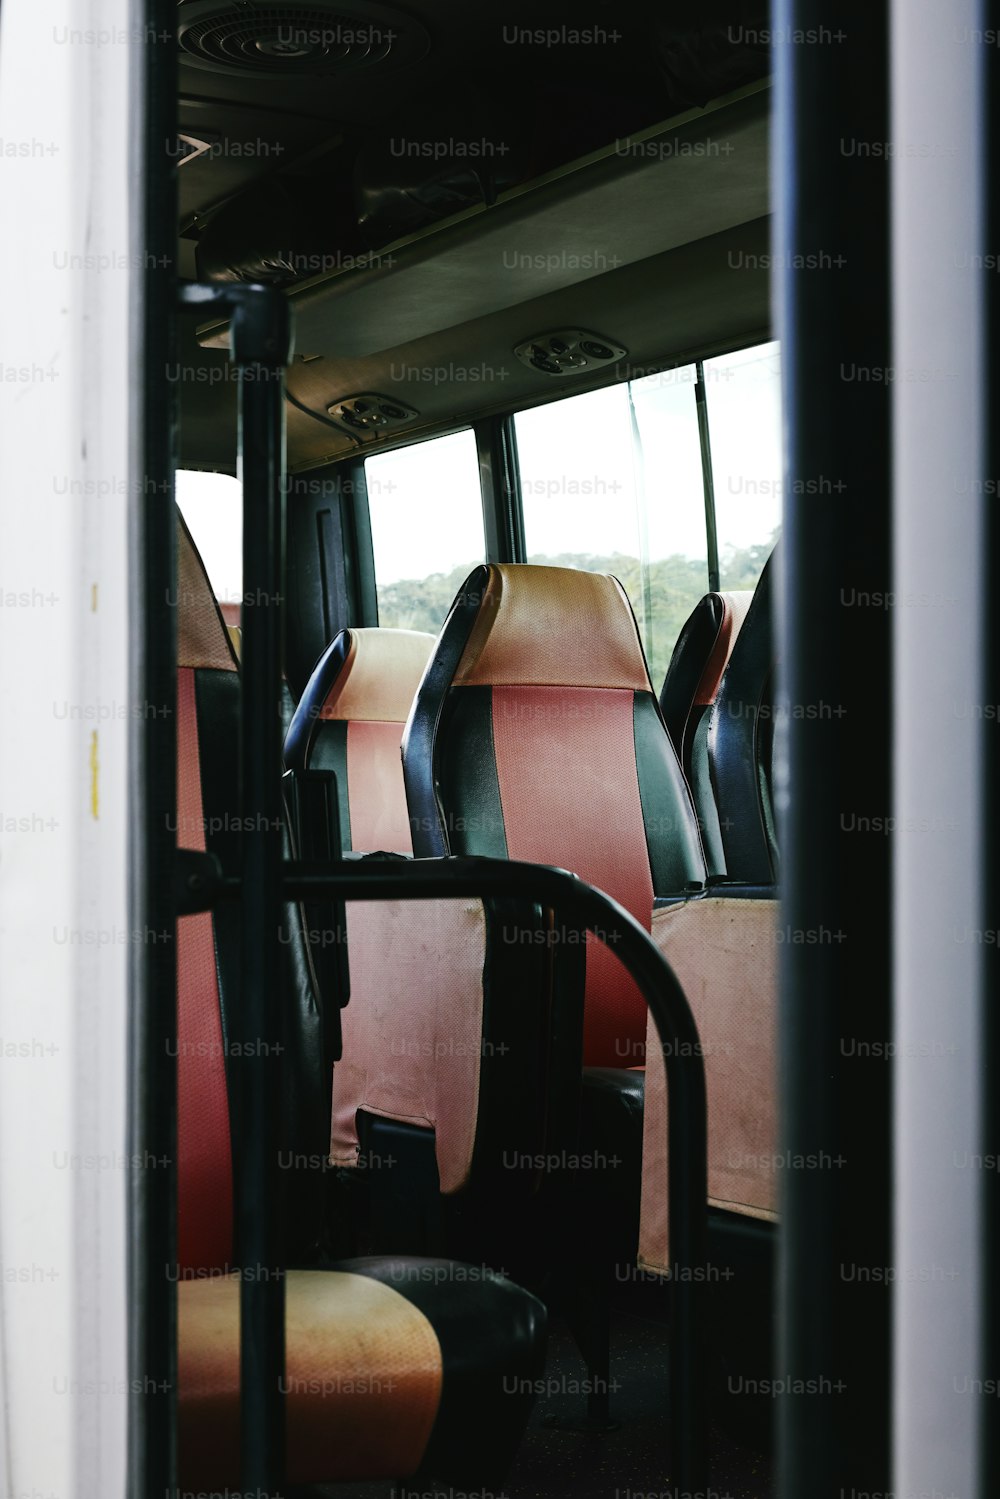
x=699 y=659
x=436 y=1031
x=740 y=745
x=535 y=734
x=209 y=959
x=350 y=720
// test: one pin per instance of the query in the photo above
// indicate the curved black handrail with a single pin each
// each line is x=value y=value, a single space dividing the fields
x=687 y=1148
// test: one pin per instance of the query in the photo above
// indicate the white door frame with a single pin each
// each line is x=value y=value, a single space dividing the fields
x=66 y=268
x=938 y=185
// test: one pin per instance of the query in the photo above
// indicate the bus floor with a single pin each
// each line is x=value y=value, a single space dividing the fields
x=631 y=1462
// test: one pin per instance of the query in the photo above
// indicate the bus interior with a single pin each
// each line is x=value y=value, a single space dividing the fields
x=556 y=770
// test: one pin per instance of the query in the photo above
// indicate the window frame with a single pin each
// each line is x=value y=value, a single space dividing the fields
x=500 y=477
x=496 y=460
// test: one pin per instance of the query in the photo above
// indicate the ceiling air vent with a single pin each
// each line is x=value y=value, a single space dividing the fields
x=568 y=351
x=282 y=39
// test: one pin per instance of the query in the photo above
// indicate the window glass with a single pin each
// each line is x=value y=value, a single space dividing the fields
x=426 y=513
x=743 y=395
x=212 y=507
x=611 y=482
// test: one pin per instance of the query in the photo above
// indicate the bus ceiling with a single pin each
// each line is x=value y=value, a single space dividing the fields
x=424 y=232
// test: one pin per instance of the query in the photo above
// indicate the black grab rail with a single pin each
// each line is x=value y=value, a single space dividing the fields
x=260 y=348
x=578 y=904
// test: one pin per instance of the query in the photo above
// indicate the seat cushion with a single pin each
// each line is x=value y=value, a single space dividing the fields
x=362 y=1379
x=391 y=1365
x=492 y=1339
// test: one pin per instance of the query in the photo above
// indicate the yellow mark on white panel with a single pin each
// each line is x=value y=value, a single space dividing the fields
x=95 y=769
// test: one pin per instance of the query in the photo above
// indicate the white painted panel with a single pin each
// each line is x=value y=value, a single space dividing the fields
x=939 y=675
x=64 y=288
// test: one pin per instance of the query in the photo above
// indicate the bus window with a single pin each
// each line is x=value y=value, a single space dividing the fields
x=427 y=528
x=611 y=482
x=212 y=507
x=744 y=414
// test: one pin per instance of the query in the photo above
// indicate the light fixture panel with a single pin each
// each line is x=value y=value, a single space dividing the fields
x=568 y=351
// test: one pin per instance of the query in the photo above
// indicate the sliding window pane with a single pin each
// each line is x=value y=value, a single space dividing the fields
x=611 y=482
x=744 y=413
x=426 y=510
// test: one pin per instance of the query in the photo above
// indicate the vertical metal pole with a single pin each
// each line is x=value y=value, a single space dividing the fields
x=500 y=480
x=990 y=1084
x=642 y=525
x=152 y=1081
x=687 y=1155
x=259 y=1215
x=707 y=478
x=833 y=780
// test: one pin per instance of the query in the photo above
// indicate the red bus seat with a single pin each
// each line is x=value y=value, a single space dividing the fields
x=394 y=1367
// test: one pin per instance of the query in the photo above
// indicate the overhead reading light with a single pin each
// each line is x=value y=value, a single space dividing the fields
x=568 y=351
x=370 y=412
x=284 y=38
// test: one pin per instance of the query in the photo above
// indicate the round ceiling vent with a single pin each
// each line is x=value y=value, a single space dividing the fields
x=285 y=38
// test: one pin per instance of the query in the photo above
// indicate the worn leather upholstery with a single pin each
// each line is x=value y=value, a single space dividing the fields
x=689 y=690
x=535 y=734
x=697 y=663
x=495 y=762
x=210 y=977
x=740 y=744
x=724 y=951
x=393 y=1367
x=350 y=720
x=444 y=1032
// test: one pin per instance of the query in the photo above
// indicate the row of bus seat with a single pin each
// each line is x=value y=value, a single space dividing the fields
x=533 y=732
x=394 y=1366
x=365 y=683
